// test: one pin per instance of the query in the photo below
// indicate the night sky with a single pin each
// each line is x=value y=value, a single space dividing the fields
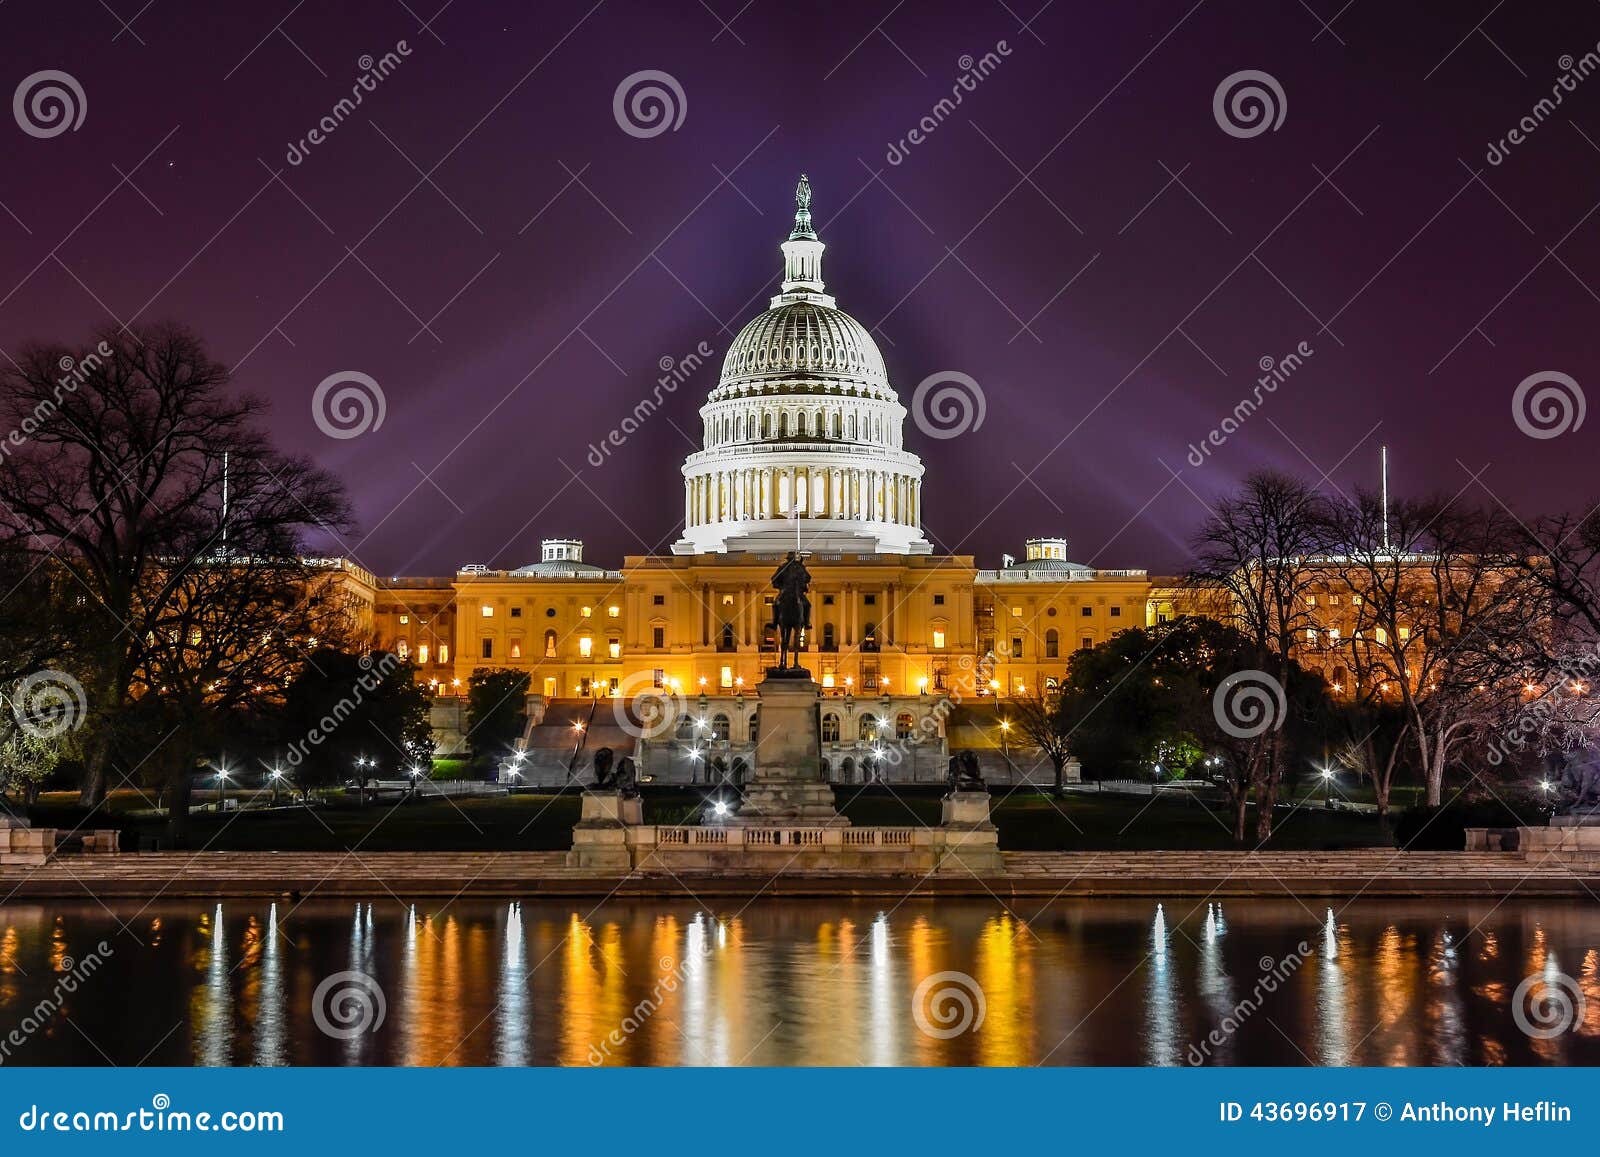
x=484 y=240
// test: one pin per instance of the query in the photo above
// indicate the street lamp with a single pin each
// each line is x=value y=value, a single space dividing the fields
x=222 y=789
x=1327 y=788
x=275 y=777
x=1005 y=740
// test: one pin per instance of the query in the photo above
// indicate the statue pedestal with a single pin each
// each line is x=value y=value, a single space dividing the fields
x=971 y=843
x=1577 y=831
x=600 y=837
x=787 y=785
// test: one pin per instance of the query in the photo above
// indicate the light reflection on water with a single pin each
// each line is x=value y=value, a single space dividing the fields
x=537 y=982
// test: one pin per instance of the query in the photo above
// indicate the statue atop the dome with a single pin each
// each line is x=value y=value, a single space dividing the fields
x=802 y=193
x=802 y=214
x=791 y=610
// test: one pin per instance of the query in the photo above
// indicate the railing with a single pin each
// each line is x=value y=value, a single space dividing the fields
x=779 y=837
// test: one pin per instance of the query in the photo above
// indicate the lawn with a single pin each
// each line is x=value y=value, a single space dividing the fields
x=541 y=822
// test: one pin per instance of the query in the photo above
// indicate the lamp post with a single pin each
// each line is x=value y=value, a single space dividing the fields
x=222 y=789
x=273 y=777
x=1327 y=788
x=1005 y=741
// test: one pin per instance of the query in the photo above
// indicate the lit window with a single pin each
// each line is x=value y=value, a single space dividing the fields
x=516 y=648
x=615 y=647
x=1355 y=600
x=1333 y=634
x=614 y=612
x=444 y=652
x=1311 y=636
x=585 y=646
x=486 y=611
x=422 y=652
x=726 y=679
x=403 y=649
x=1311 y=600
x=727 y=600
x=1405 y=633
x=404 y=619
x=1016 y=612
x=938 y=639
x=586 y=611
x=1382 y=636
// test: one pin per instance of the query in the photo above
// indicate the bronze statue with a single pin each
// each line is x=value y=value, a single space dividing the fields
x=1578 y=782
x=791 y=610
x=627 y=778
x=603 y=758
x=964 y=774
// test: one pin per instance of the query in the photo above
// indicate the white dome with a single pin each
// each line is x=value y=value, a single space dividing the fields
x=822 y=343
x=802 y=438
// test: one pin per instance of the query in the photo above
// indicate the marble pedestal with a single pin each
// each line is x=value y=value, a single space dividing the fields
x=787 y=786
x=600 y=837
x=971 y=843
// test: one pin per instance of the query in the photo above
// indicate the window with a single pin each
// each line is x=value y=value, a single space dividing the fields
x=1052 y=644
x=444 y=652
x=869 y=727
x=1311 y=636
x=585 y=612
x=726 y=641
x=830 y=728
x=404 y=619
x=1333 y=634
x=1086 y=643
x=938 y=600
x=941 y=674
x=871 y=600
x=614 y=612
x=422 y=652
x=658 y=678
x=938 y=638
x=1383 y=636
x=516 y=612
x=1016 y=612
x=727 y=600
x=658 y=637
x=903 y=725
x=549 y=644
x=1404 y=633
x=869 y=637
x=719 y=727
x=585 y=646
x=516 y=648
x=487 y=648
x=658 y=600
x=828 y=641
x=614 y=648
x=1116 y=612
x=486 y=611
x=1085 y=612
x=725 y=677
x=549 y=612
x=1016 y=645
x=403 y=649
x=827 y=600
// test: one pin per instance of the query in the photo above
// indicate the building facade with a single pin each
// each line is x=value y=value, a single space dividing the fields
x=802 y=448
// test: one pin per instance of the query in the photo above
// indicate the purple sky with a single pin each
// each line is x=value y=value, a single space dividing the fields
x=556 y=259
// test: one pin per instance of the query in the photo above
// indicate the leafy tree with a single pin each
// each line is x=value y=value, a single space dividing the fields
x=354 y=714
x=495 y=699
x=1155 y=693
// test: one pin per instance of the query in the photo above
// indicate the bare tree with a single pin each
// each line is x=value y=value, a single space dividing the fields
x=115 y=467
x=1434 y=624
x=1038 y=718
x=1251 y=556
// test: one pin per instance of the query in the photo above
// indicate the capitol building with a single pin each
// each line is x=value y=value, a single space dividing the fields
x=803 y=445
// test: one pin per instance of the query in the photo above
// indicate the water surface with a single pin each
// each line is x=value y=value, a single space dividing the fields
x=1094 y=982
